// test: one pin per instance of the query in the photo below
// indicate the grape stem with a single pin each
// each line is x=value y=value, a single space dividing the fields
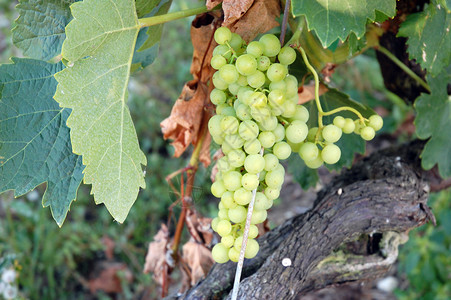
x=322 y=113
x=285 y=21
x=239 y=267
x=150 y=21
x=403 y=67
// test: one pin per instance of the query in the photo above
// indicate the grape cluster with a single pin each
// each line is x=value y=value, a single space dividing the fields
x=258 y=122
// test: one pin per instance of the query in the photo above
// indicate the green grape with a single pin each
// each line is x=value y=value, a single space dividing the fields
x=339 y=121
x=250 y=181
x=248 y=130
x=242 y=81
x=261 y=202
x=222 y=50
x=279 y=85
x=314 y=164
x=331 y=133
x=233 y=88
x=228 y=241
x=224 y=228
x=214 y=125
x=242 y=196
x=287 y=56
x=218 y=188
x=244 y=93
x=279 y=132
x=217 y=97
x=222 y=35
x=267 y=139
x=296 y=132
x=252 y=248
x=243 y=112
x=295 y=146
x=236 y=158
x=214 y=223
x=376 y=122
x=308 y=151
x=258 y=100
x=258 y=216
x=254 y=163
x=261 y=175
x=252 y=146
x=227 y=200
x=226 y=147
x=289 y=109
x=276 y=98
x=218 y=61
x=228 y=111
x=220 y=253
x=253 y=232
x=358 y=126
x=236 y=41
x=229 y=125
x=231 y=181
x=256 y=80
x=260 y=114
x=223 y=164
x=263 y=63
x=237 y=214
x=255 y=48
x=271 y=45
x=349 y=126
x=331 y=154
x=246 y=64
x=228 y=73
x=301 y=114
x=218 y=82
x=312 y=134
x=274 y=179
x=282 y=150
x=271 y=161
x=292 y=86
x=367 y=133
x=234 y=255
x=268 y=124
x=223 y=213
x=238 y=243
x=277 y=72
x=272 y=193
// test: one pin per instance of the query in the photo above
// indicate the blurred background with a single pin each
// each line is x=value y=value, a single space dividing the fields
x=79 y=260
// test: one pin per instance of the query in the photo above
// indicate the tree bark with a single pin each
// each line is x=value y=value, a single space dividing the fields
x=351 y=234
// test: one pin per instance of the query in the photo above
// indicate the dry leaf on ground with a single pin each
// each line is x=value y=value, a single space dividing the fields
x=156 y=255
x=198 y=258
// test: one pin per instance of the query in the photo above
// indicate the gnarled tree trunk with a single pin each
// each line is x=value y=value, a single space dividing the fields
x=351 y=234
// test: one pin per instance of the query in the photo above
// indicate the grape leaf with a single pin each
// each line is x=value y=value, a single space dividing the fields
x=99 y=49
x=336 y=19
x=305 y=176
x=154 y=32
x=433 y=121
x=35 y=145
x=39 y=29
x=429 y=37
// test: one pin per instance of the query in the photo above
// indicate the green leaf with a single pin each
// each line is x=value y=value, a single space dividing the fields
x=429 y=37
x=154 y=32
x=433 y=121
x=99 y=50
x=39 y=29
x=336 y=19
x=35 y=145
x=143 y=7
x=305 y=176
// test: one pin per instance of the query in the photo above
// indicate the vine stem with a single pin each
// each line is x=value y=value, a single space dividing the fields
x=239 y=267
x=150 y=21
x=285 y=21
x=405 y=68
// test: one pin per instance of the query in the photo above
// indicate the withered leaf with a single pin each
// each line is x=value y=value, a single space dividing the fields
x=235 y=9
x=198 y=258
x=308 y=92
x=212 y=3
x=156 y=255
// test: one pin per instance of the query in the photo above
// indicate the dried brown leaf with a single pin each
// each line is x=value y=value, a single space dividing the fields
x=156 y=255
x=234 y=10
x=308 y=92
x=199 y=227
x=212 y=3
x=198 y=258
x=259 y=18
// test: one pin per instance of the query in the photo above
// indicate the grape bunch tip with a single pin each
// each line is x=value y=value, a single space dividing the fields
x=257 y=112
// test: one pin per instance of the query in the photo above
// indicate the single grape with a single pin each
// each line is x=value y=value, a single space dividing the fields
x=217 y=96
x=224 y=227
x=277 y=72
x=236 y=158
x=358 y=126
x=260 y=114
x=234 y=88
x=248 y=130
x=246 y=64
x=229 y=125
x=218 y=188
x=276 y=98
x=287 y=55
x=263 y=63
x=331 y=154
x=243 y=112
x=258 y=216
x=255 y=48
x=231 y=181
x=237 y=214
x=218 y=82
x=289 y=109
x=274 y=179
x=214 y=223
x=222 y=50
x=376 y=122
x=339 y=121
x=271 y=45
x=250 y=181
x=296 y=132
x=214 y=125
x=228 y=241
x=242 y=196
x=267 y=139
x=220 y=253
x=279 y=132
x=292 y=86
x=258 y=100
x=261 y=202
x=236 y=41
x=256 y=80
x=223 y=164
x=367 y=133
x=308 y=151
x=301 y=114
x=252 y=248
x=253 y=232
x=222 y=35
x=272 y=193
x=229 y=73
x=254 y=163
x=252 y=146
x=227 y=200
x=271 y=161
x=234 y=255
x=223 y=213
x=268 y=124
x=218 y=61
x=331 y=133
x=282 y=150
x=349 y=126
x=314 y=164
